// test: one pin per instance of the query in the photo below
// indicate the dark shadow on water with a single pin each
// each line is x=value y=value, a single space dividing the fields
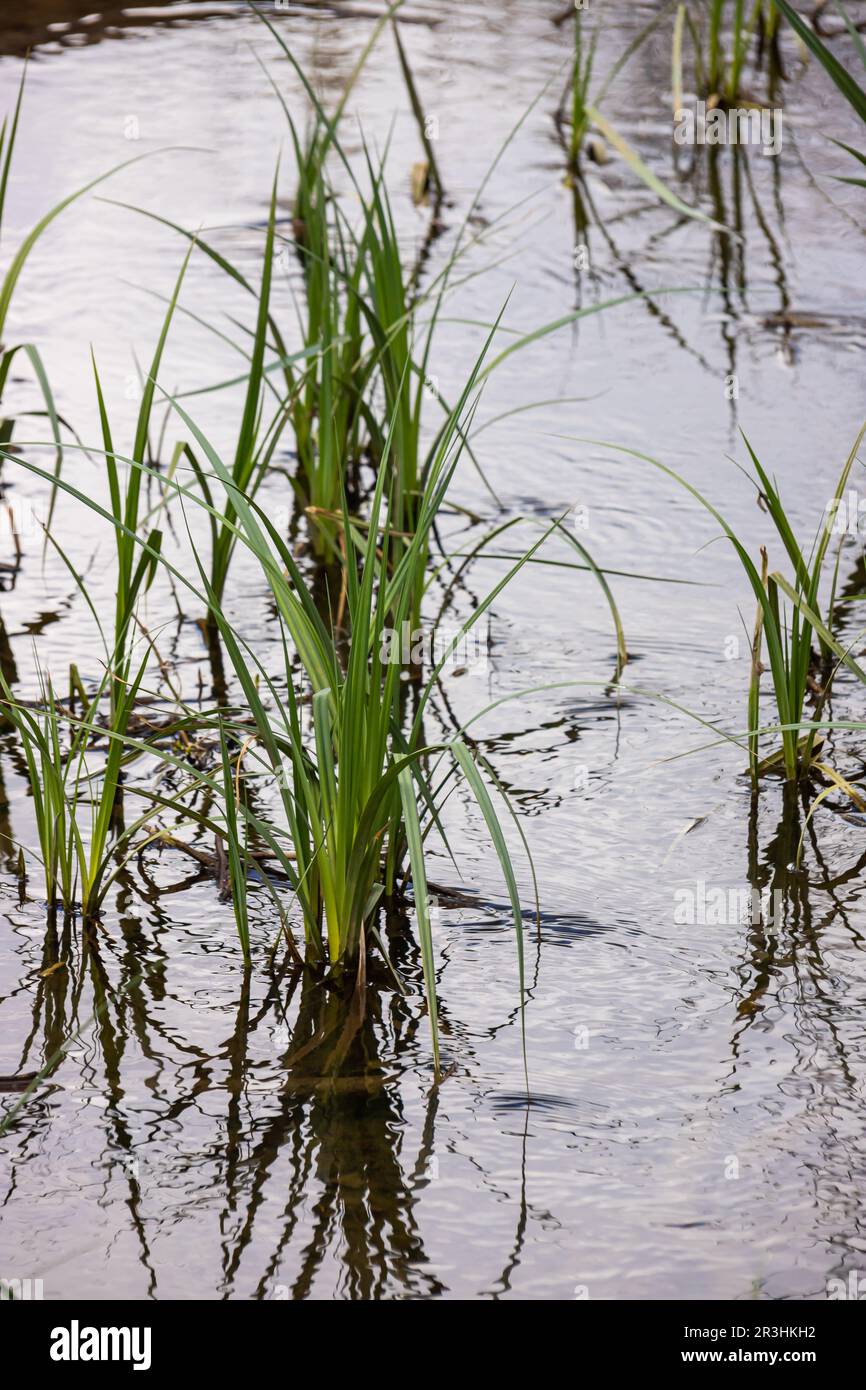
x=335 y=1148
x=323 y=1151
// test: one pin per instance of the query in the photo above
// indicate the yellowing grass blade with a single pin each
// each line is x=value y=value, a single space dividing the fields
x=677 y=60
x=636 y=164
x=836 y=781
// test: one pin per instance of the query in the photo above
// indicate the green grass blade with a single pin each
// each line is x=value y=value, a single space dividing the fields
x=482 y=796
x=848 y=86
x=19 y=259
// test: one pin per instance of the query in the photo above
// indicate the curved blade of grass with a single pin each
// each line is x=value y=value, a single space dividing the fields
x=837 y=782
x=7 y=142
x=637 y=42
x=652 y=181
x=779 y=663
x=237 y=859
x=621 y=649
x=417 y=108
x=53 y=418
x=677 y=60
x=572 y=317
x=482 y=796
x=850 y=89
x=20 y=257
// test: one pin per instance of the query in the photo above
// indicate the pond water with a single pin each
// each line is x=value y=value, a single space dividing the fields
x=694 y=1125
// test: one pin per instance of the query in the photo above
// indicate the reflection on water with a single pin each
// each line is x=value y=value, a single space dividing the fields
x=180 y=1126
x=72 y=23
x=293 y=1136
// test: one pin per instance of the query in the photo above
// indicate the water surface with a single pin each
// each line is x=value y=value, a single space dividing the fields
x=695 y=1126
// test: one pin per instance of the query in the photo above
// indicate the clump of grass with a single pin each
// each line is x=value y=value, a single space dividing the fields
x=58 y=748
x=789 y=635
x=73 y=801
x=720 y=35
x=361 y=314
x=725 y=65
x=349 y=779
x=581 y=77
x=584 y=114
x=135 y=571
x=790 y=619
x=354 y=801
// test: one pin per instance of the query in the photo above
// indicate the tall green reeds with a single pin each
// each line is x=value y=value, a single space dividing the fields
x=328 y=409
x=353 y=801
x=792 y=623
x=584 y=114
x=581 y=78
x=256 y=444
x=326 y=771
x=74 y=790
x=341 y=775
x=720 y=31
x=76 y=803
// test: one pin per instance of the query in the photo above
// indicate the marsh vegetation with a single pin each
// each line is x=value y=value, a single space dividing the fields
x=435 y=546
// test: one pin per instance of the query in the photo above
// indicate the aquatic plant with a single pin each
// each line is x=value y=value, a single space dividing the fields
x=363 y=357
x=348 y=777
x=134 y=571
x=581 y=77
x=720 y=34
x=789 y=635
x=585 y=114
x=790 y=617
x=354 y=802
x=74 y=791
x=328 y=409
x=78 y=807
x=256 y=443
x=724 y=68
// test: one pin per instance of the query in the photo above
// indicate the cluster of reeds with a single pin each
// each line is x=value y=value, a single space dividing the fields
x=324 y=779
x=794 y=625
x=720 y=34
x=720 y=74
x=324 y=785
x=584 y=130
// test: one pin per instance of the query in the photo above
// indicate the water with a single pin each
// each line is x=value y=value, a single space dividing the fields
x=695 y=1126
